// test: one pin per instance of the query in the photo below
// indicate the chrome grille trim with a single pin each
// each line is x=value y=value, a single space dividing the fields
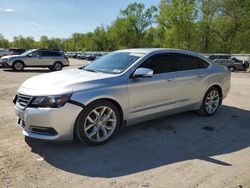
x=23 y=101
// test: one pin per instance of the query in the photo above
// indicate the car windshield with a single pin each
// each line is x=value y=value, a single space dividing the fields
x=113 y=63
x=235 y=59
x=27 y=52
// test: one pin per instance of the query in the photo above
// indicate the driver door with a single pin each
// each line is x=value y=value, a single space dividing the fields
x=149 y=95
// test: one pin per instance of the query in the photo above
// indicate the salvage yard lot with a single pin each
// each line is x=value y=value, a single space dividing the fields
x=183 y=150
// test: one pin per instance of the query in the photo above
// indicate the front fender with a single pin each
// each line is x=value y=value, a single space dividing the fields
x=119 y=94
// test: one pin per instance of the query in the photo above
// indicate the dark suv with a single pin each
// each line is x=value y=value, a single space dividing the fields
x=231 y=63
x=16 y=51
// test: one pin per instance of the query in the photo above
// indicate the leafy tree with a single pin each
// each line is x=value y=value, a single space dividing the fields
x=4 y=43
x=177 y=18
x=208 y=10
x=129 y=28
x=232 y=25
x=200 y=25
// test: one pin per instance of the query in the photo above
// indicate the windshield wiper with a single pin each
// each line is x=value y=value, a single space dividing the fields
x=91 y=70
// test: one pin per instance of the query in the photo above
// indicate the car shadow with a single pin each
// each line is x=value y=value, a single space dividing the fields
x=28 y=70
x=153 y=144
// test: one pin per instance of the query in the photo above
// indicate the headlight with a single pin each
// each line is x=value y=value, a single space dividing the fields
x=3 y=60
x=50 y=101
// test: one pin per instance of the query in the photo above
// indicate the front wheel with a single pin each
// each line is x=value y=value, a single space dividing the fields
x=232 y=69
x=98 y=123
x=18 y=66
x=211 y=102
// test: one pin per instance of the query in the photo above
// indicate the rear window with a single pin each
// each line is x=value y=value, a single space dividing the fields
x=212 y=57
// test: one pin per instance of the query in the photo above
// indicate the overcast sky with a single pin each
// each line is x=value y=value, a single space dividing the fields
x=58 y=18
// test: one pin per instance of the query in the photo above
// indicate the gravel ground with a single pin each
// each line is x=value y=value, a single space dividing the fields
x=183 y=150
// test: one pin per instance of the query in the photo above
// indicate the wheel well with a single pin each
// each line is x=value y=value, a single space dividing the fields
x=115 y=103
x=19 y=61
x=106 y=99
x=58 y=62
x=220 y=90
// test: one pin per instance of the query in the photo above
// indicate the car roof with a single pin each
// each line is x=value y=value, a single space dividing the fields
x=149 y=50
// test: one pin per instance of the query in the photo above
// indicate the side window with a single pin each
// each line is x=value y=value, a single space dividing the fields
x=45 y=53
x=49 y=53
x=34 y=54
x=55 y=54
x=160 y=64
x=186 y=62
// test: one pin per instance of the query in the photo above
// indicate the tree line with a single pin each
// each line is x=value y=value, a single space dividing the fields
x=221 y=26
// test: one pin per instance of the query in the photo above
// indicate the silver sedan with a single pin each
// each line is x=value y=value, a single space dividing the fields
x=120 y=89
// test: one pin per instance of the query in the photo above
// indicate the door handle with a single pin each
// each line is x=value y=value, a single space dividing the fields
x=200 y=76
x=169 y=78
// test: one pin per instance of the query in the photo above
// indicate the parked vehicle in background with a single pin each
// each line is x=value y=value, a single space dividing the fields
x=16 y=51
x=245 y=64
x=219 y=56
x=230 y=62
x=2 y=52
x=11 y=51
x=36 y=58
x=231 y=65
x=70 y=54
x=122 y=88
x=81 y=55
x=91 y=56
x=98 y=55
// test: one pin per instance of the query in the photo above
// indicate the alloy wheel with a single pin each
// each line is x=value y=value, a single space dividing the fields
x=58 y=66
x=100 y=124
x=212 y=101
x=18 y=66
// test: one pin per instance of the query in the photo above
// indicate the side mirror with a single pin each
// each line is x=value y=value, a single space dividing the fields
x=143 y=72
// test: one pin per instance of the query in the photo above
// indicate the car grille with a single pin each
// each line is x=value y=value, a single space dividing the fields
x=23 y=101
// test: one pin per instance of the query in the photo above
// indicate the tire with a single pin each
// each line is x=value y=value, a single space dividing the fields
x=18 y=66
x=98 y=123
x=232 y=69
x=208 y=102
x=57 y=66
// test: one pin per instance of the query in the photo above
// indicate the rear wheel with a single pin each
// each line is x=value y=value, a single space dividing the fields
x=98 y=123
x=18 y=66
x=57 y=66
x=211 y=102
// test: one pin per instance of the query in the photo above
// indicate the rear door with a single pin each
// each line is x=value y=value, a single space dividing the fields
x=47 y=58
x=190 y=79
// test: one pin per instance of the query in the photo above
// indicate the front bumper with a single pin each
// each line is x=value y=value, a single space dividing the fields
x=49 y=123
x=4 y=64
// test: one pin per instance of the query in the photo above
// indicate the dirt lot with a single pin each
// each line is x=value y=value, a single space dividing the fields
x=184 y=150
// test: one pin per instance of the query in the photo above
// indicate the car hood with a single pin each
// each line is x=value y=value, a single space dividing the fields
x=62 y=82
x=10 y=56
